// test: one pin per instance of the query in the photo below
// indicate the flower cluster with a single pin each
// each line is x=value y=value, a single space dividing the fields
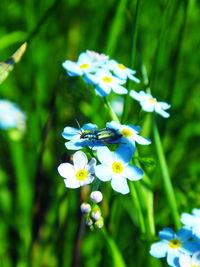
x=92 y=211
x=114 y=165
x=104 y=73
x=108 y=75
x=182 y=249
x=11 y=116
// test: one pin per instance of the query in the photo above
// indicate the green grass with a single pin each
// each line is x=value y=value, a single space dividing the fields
x=41 y=224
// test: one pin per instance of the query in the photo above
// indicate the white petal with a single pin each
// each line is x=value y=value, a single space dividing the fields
x=135 y=95
x=66 y=170
x=71 y=183
x=133 y=173
x=80 y=160
x=141 y=140
x=120 y=185
x=185 y=260
x=105 y=156
x=103 y=172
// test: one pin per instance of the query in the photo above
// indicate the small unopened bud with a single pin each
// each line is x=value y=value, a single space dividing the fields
x=88 y=222
x=99 y=223
x=96 y=215
x=85 y=207
x=96 y=196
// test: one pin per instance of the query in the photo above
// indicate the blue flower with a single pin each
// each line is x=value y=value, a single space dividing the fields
x=11 y=116
x=193 y=221
x=105 y=82
x=121 y=71
x=150 y=104
x=76 y=142
x=114 y=166
x=172 y=245
x=85 y=64
x=129 y=134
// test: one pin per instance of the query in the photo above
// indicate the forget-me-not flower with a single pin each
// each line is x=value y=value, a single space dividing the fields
x=96 y=57
x=85 y=64
x=76 y=142
x=193 y=221
x=11 y=116
x=186 y=260
x=105 y=82
x=172 y=245
x=79 y=174
x=150 y=104
x=121 y=71
x=115 y=167
x=129 y=134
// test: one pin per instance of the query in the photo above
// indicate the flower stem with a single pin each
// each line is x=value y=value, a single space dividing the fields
x=166 y=177
x=110 y=110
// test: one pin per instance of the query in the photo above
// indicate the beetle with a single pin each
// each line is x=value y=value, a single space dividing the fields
x=106 y=135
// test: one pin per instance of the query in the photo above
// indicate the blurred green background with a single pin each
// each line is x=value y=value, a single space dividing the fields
x=40 y=219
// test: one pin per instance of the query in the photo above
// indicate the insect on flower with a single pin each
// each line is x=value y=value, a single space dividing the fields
x=106 y=135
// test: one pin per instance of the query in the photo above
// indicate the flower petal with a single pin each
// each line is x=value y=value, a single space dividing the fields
x=66 y=170
x=160 y=111
x=188 y=219
x=103 y=172
x=120 y=185
x=189 y=247
x=184 y=234
x=105 y=156
x=173 y=257
x=185 y=260
x=71 y=183
x=142 y=140
x=123 y=154
x=135 y=95
x=159 y=249
x=72 y=68
x=70 y=132
x=133 y=173
x=80 y=160
x=118 y=89
x=166 y=234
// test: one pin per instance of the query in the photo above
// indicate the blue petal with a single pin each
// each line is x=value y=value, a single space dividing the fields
x=166 y=234
x=159 y=249
x=120 y=185
x=89 y=127
x=190 y=247
x=103 y=172
x=184 y=233
x=91 y=79
x=105 y=156
x=76 y=145
x=135 y=128
x=114 y=125
x=123 y=154
x=70 y=132
x=196 y=233
x=133 y=173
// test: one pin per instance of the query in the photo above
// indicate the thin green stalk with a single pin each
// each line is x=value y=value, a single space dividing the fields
x=116 y=27
x=110 y=110
x=118 y=260
x=166 y=177
x=132 y=59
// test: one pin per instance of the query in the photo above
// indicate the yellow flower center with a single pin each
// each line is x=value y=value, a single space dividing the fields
x=81 y=175
x=152 y=99
x=107 y=79
x=84 y=66
x=126 y=132
x=175 y=243
x=121 y=66
x=194 y=266
x=117 y=167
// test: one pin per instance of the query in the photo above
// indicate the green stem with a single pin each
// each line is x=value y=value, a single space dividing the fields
x=110 y=110
x=166 y=177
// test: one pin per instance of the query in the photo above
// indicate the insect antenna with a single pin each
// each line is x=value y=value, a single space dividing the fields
x=79 y=126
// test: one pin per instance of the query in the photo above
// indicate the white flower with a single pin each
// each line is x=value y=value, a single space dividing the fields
x=96 y=56
x=85 y=207
x=11 y=116
x=79 y=174
x=121 y=71
x=150 y=104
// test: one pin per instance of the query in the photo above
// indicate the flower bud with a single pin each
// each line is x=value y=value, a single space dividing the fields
x=96 y=196
x=96 y=215
x=85 y=208
x=88 y=222
x=99 y=223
